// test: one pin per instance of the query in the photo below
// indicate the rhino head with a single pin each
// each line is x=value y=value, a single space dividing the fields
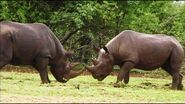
x=102 y=67
x=71 y=71
x=63 y=71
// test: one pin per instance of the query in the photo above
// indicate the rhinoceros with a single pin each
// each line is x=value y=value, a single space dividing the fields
x=131 y=49
x=36 y=45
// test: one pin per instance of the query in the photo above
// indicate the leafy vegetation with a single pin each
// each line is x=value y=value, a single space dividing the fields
x=26 y=87
x=79 y=24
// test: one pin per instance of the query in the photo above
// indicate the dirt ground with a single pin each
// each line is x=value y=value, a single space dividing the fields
x=32 y=99
x=29 y=69
x=57 y=99
x=52 y=99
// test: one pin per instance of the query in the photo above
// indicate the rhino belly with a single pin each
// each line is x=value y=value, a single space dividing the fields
x=21 y=61
x=24 y=52
x=152 y=62
x=149 y=66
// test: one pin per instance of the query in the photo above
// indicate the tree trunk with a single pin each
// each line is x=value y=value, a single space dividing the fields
x=69 y=34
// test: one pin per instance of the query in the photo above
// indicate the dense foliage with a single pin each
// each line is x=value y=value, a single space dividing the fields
x=79 y=24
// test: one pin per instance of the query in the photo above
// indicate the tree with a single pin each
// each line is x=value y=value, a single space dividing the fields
x=80 y=24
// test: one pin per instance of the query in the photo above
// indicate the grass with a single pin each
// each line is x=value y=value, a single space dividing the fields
x=26 y=87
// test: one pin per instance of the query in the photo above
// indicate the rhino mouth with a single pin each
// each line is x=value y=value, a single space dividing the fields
x=100 y=79
x=65 y=80
x=66 y=74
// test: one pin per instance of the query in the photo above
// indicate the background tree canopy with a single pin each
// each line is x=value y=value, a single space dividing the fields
x=79 y=24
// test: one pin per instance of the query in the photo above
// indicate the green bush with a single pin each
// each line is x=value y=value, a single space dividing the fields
x=79 y=24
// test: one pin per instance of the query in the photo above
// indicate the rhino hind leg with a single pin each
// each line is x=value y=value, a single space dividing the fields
x=176 y=62
x=180 y=86
x=172 y=66
x=176 y=76
x=41 y=66
x=177 y=80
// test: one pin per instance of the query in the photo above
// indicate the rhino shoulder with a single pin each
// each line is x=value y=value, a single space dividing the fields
x=127 y=32
x=40 y=24
x=7 y=29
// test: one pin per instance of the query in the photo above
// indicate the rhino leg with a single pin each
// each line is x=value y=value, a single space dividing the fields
x=176 y=76
x=175 y=81
x=41 y=66
x=127 y=76
x=5 y=54
x=175 y=66
x=124 y=73
x=180 y=86
x=3 y=61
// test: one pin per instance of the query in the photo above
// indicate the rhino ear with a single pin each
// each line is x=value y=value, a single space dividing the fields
x=97 y=49
x=106 y=50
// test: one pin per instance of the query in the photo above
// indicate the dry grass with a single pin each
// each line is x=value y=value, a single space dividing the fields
x=26 y=87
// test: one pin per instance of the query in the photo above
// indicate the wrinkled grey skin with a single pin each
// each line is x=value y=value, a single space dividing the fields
x=34 y=44
x=131 y=49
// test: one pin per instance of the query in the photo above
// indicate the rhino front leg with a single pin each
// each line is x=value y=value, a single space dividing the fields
x=124 y=74
x=41 y=66
x=3 y=61
x=6 y=50
x=126 y=78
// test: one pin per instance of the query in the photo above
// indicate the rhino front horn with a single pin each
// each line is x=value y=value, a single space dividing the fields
x=90 y=69
x=72 y=74
x=95 y=62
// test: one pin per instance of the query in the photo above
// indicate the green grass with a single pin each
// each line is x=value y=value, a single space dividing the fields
x=87 y=89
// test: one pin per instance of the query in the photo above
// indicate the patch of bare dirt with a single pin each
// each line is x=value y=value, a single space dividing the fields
x=50 y=99
x=29 y=69
x=33 y=99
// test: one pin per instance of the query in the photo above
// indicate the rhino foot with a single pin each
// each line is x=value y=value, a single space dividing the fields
x=180 y=87
x=177 y=86
x=118 y=84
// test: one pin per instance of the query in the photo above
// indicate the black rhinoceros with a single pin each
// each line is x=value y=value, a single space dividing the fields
x=131 y=49
x=36 y=45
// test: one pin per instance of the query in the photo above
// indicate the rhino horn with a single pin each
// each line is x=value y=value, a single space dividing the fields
x=89 y=68
x=72 y=74
x=74 y=64
x=95 y=62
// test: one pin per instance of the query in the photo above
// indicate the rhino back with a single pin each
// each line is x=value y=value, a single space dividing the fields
x=29 y=41
x=146 y=50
